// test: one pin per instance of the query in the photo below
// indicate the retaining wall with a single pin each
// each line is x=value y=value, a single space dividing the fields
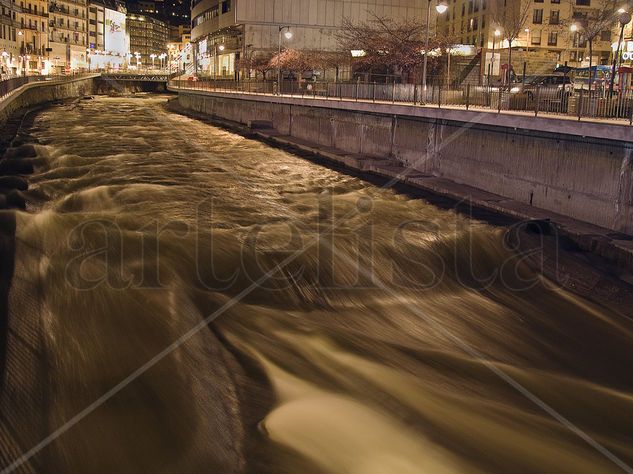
x=578 y=169
x=45 y=91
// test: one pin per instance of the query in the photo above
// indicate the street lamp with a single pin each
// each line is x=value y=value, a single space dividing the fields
x=491 y=70
x=440 y=9
x=624 y=19
x=152 y=56
x=288 y=35
x=574 y=29
x=527 y=41
x=216 y=62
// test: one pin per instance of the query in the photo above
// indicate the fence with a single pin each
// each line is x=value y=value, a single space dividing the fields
x=537 y=100
x=10 y=84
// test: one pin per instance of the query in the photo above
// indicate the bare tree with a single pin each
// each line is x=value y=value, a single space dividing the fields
x=292 y=60
x=511 y=16
x=395 y=44
x=444 y=43
x=324 y=60
x=593 y=22
x=258 y=62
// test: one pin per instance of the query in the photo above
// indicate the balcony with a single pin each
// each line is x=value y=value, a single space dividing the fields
x=30 y=49
x=29 y=11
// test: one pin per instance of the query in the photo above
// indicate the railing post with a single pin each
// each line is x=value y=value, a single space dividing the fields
x=538 y=100
x=439 y=96
x=357 y=91
x=467 y=96
x=580 y=102
x=415 y=94
x=393 y=92
x=499 y=101
x=374 y=92
x=327 y=90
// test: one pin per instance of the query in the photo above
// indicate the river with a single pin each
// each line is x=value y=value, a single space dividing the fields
x=202 y=302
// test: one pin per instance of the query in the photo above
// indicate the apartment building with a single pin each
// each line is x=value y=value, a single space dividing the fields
x=147 y=36
x=32 y=34
x=224 y=30
x=9 y=27
x=547 y=37
x=67 y=34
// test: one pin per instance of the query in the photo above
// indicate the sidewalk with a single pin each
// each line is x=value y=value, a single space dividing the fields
x=204 y=87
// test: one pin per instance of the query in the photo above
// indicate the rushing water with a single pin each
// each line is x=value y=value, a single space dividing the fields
x=351 y=329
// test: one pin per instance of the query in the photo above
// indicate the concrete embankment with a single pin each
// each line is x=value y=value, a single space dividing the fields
x=45 y=91
x=578 y=176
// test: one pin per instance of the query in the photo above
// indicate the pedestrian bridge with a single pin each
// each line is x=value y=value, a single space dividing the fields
x=136 y=77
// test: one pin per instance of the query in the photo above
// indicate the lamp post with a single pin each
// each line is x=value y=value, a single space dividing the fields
x=20 y=33
x=4 y=55
x=288 y=35
x=88 y=58
x=574 y=29
x=137 y=55
x=624 y=18
x=491 y=71
x=216 y=64
x=440 y=9
x=152 y=57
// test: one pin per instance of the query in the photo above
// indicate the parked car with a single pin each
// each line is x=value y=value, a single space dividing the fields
x=601 y=76
x=546 y=87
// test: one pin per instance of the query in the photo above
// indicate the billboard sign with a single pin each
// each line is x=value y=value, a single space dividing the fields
x=116 y=40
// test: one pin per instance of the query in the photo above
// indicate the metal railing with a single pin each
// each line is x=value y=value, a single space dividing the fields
x=537 y=101
x=10 y=84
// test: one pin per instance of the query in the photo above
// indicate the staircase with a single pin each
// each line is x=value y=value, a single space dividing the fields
x=471 y=73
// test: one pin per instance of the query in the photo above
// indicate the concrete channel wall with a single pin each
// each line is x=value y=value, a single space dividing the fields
x=46 y=91
x=580 y=170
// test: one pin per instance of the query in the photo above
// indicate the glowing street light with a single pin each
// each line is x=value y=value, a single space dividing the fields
x=440 y=9
x=288 y=35
x=491 y=67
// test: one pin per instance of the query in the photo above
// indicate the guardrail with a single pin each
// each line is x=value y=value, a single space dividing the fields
x=539 y=100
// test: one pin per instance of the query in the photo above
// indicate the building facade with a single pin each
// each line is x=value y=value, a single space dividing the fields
x=551 y=34
x=32 y=35
x=9 y=27
x=67 y=34
x=108 y=41
x=148 y=36
x=225 y=30
x=179 y=48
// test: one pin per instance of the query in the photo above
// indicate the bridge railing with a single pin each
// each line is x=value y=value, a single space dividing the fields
x=596 y=105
